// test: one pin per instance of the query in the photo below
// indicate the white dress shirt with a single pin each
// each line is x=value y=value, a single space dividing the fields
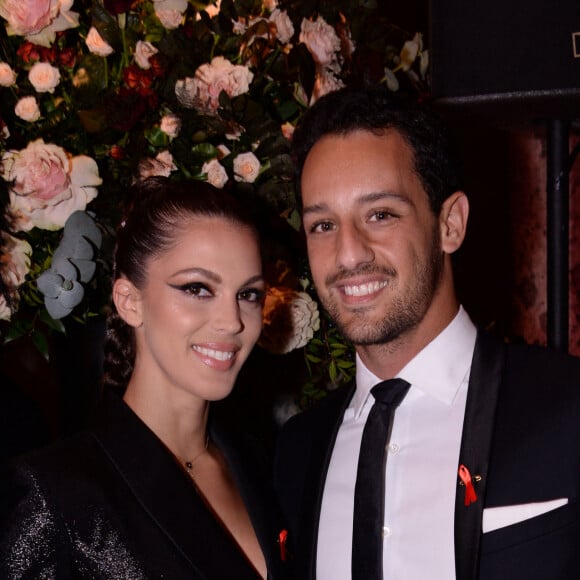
x=422 y=464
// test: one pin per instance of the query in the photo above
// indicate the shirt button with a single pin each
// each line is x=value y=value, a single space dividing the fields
x=386 y=532
x=393 y=448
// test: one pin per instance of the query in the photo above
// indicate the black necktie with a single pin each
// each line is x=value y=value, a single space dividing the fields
x=369 y=494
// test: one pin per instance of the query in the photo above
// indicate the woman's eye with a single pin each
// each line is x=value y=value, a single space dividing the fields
x=252 y=295
x=196 y=289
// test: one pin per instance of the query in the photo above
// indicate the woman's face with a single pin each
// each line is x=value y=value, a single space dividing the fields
x=201 y=308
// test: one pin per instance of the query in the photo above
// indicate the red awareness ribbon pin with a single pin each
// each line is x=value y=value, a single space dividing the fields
x=282 y=537
x=465 y=476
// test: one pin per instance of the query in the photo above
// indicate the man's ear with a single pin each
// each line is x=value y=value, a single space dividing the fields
x=453 y=221
x=127 y=299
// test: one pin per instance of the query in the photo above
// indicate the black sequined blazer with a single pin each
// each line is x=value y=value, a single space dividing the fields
x=112 y=503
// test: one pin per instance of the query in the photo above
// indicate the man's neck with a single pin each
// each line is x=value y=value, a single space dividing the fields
x=387 y=359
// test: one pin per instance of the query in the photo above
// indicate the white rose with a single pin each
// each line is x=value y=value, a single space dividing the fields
x=44 y=77
x=270 y=5
x=216 y=173
x=283 y=24
x=5 y=312
x=290 y=320
x=48 y=185
x=171 y=125
x=246 y=167
x=213 y=9
x=97 y=44
x=321 y=40
x=7 y=75
x=38 y=20
x=410 y=50
x=81 y=78
x=143 y=52
x=27 y=109
x=391 y=80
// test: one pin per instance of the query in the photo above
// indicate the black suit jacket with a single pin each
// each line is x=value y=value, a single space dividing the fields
x=521 y=435
x=112 y=503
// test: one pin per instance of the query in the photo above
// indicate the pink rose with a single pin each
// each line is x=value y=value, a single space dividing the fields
x=38 y=20
x=162 y=165
x=143 y=52
x=210 y=80
x=216 y=173
x=7 y=75
x=97 y=44
x=246 y=167
x=283 y=24
x=170 y=12
x=47 y=185
x=15 y=260
x=171 y=125
x=27 y=109
x=44 y=77
x=14 y=267
x=321 y=40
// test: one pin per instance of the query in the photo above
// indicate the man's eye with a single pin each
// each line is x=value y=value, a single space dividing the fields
x=380 y=215
x=321 y=227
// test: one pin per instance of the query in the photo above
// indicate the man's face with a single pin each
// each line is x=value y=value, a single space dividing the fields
x=373 y=241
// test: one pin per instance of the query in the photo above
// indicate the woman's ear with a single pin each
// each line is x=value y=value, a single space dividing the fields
x=127 y=299
x=453 y=221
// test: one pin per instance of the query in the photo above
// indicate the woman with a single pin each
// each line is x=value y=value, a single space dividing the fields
x=154 y=489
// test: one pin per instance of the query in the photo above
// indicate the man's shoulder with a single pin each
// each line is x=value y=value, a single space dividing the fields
x=327 y=407
x=541 y=363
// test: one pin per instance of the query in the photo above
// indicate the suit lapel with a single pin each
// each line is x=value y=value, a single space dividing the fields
x=322 y=444
x=484 y=384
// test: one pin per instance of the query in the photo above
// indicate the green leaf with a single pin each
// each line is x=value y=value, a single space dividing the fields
x=332 y=371
x=41 y=343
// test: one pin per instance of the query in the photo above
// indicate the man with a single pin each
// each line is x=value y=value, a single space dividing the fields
x=482 y=469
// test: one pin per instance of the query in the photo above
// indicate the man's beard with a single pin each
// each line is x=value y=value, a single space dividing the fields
x=406 y=310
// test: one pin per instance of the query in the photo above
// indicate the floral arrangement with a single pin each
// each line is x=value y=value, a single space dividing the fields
x=94 y=95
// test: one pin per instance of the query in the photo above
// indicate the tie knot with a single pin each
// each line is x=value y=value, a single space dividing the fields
x=390 y=392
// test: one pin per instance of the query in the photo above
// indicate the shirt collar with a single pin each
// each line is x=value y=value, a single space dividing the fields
x=438 y=370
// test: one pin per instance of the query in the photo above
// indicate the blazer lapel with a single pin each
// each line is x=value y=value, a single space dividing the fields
x=165 y=493
x=484 y=384
x=251 y=471
x=327 y=425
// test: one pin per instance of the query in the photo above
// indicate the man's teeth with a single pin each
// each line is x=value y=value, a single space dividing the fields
x=364 y=289
x=212 y=353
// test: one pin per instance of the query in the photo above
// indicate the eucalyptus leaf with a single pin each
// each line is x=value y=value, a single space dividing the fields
x=62 y=266
x=55 y=309
x=73 y=297
x=50 y=284
x=86 y=269
x=81 y=224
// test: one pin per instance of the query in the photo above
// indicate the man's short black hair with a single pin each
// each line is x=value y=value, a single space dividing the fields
x=374 y=108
